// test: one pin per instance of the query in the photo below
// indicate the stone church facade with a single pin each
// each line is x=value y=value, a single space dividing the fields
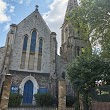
x=30 y=55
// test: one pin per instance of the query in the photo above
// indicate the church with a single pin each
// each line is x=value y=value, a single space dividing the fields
x=30 y=55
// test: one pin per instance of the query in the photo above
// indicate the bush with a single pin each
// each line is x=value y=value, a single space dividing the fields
x=44 y=99
x=70 y=100
x=15 y=100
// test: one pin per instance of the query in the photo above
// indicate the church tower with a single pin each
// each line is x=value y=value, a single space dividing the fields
x=71 y=44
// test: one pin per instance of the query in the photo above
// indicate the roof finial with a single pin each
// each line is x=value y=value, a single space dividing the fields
x=37 y=7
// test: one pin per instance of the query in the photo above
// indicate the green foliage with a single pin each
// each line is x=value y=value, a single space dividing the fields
x=92 y=20
x=70 y=100
x=15 y=100
x=84 y=71
x=44 y=99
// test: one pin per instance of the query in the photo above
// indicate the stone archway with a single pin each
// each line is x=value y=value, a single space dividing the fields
x=35 y=86
x=28 y=92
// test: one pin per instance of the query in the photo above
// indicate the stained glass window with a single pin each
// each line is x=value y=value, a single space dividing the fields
x=25 y=43
x=40 y=45
x=33 y=41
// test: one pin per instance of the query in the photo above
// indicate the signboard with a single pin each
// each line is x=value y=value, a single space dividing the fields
x=43 y=90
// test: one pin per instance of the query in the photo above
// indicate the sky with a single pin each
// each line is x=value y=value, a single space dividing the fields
x=14 y=11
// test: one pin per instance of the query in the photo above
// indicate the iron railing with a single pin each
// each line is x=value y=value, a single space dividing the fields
x=36 y=108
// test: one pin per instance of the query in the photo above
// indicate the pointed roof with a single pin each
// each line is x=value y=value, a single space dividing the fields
x=71 y=5
x=34 y=15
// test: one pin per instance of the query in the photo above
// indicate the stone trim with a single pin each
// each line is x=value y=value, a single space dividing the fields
x=22 y=72
x=35 y=87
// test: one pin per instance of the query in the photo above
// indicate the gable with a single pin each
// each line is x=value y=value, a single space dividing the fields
x=33 y=21
x=25 y=28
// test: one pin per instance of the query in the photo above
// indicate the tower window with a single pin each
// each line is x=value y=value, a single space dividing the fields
x=63 y=75
x=78 y=50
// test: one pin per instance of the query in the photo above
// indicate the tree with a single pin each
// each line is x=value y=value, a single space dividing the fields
x=92 y=19
x=84 y=71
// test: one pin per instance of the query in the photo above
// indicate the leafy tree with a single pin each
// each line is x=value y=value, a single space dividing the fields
x=84 y=71
x=92 y=20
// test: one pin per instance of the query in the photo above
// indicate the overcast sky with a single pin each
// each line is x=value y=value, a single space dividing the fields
x=14 y=11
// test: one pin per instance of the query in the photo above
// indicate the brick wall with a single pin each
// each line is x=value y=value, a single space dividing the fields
x=100 y=105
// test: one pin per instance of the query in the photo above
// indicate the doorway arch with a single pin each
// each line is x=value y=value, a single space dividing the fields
x=28 y=92
x=35 y=86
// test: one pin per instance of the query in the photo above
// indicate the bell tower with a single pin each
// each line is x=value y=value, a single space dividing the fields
x=71 y=4
x=71 y=44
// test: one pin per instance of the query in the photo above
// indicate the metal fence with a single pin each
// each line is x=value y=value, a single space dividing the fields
x=101 y=93
x=35 y=108
x=100 y=98
x=32 y=108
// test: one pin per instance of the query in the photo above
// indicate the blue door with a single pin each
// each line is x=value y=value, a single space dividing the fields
x=28 y=92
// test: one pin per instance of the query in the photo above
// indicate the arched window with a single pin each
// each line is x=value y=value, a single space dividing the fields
x=40 y=55
x=40 y=45
x=32 y=50
x=25 y=43
x=23 y=58
x=33 y=41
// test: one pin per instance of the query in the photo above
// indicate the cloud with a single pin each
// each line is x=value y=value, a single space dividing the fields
x=11 y=9
x=27 y=2
x=3 y=16
x=7 y=27
x=48 y=1
x=20 y=1
x=55 y=17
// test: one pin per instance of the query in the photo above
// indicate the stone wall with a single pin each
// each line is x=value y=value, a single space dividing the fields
x=33 y=21
x=62 y=95
x=53 y=53
x=2 y=54
x=41 y=78
x=5 y=92
x=61 y=66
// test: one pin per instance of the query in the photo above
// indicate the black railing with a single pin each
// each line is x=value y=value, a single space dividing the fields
x=37 y=108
